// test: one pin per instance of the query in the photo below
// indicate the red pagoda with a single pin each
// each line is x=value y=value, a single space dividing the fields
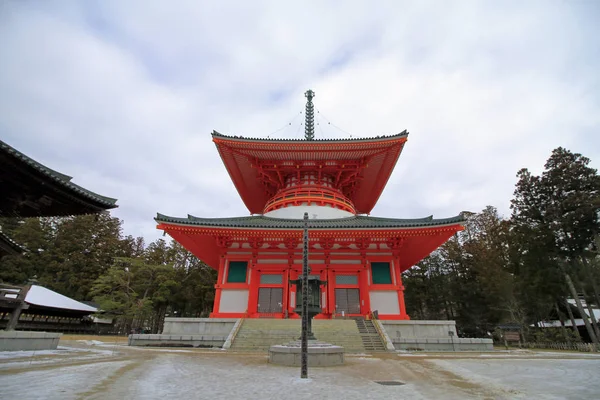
x=337 y=182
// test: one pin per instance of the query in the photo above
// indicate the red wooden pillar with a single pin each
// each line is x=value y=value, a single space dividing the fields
x=286 y=292
x=331 y=292
x=323 y=294
x=401 y=303
x=254 y=278
x=403 y=314
x=219 y=284
x=291 y=245
x=365 y=298
x=325 y=277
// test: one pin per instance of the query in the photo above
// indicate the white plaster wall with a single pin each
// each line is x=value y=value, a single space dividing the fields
x=233 y=300
x=314 y=212
x=386 y=302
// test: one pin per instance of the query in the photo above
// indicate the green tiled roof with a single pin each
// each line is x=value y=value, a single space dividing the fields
x=8 y=245
x=381 y=137
x=61 y=179
x=355 y=222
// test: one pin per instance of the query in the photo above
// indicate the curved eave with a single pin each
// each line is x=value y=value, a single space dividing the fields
x=92 y=202
x=350 y=223
x=421 y=236
x=378 y=156
x=9 y=246
x=218 y=135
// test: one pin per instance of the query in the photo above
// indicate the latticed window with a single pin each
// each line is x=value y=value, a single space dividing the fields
x=381 y=273
x=346 y=280
x=271 y=279
x=237 y=272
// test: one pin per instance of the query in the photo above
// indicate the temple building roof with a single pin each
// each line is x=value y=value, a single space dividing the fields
x=355 y=222
x=44 y=297
x=31 y=189
x=9 y=246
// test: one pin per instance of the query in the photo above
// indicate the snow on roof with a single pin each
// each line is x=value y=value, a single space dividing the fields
x=40 y=296
x=596 y=311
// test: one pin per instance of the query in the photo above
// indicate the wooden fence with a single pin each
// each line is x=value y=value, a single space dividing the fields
x=584 y=347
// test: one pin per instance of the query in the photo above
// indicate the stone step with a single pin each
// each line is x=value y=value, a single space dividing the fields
x=260 y=334
x=371 y=339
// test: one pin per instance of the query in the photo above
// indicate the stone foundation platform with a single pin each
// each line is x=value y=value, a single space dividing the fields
x=396 y=335
x=176 y=340
x=188 y=332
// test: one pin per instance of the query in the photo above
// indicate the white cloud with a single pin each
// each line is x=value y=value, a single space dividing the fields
x=124 y=95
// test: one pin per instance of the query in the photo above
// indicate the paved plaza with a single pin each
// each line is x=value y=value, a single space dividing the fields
x=93 y=369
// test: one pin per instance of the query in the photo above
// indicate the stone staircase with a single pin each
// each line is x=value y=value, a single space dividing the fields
x=370 y=337
x=260 y=334
x=341 y=332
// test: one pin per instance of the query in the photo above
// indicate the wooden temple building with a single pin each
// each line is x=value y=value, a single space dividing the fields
x=337 y=182
x=29 y=189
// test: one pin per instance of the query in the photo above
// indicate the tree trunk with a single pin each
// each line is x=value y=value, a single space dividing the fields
x=572 y=320
x=586 y=267
x=591 y=311
x=562 y=322
x=586 y=321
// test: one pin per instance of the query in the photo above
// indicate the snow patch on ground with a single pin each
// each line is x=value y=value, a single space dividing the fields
x=92 y=342
x=25 y=359
x=66 y=383
x=532 y=378
x=29 y=353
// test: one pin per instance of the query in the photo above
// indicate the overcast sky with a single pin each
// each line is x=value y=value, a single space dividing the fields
x=123 y=95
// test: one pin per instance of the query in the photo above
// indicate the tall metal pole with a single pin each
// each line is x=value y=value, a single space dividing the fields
x=304 y=338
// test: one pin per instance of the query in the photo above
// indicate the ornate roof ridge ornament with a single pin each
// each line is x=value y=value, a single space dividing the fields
x=309 y=116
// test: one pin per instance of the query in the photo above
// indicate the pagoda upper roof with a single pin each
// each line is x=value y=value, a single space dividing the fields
x=303 y=140
x=362 y=166
x=31 y=189
x=354 y=222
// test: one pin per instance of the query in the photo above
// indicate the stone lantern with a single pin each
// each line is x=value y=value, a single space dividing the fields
x=314 y=298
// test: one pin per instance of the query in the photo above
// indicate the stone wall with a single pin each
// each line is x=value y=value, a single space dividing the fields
x=21 y=340
x=419 y=329
x=188 y=332
x=198 y=326
x=431 y=336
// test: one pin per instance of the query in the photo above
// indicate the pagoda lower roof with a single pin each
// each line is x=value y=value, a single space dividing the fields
x=31 y=189
x=204 y=236
x=358 y=222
